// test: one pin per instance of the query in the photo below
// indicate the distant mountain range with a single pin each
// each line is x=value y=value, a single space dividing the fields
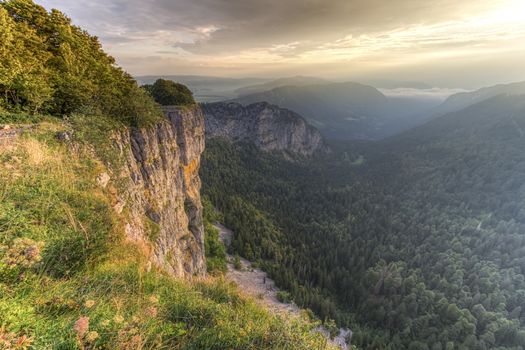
x=496 y=119
x=342 y=111
x=459 y=101
x=293 y=81
x=206 y=88
x=346 y=110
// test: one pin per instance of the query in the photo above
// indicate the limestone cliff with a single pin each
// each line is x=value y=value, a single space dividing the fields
x=164 y=209
x=267 y=126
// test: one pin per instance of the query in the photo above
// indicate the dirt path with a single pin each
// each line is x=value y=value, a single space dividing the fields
x=256 y=283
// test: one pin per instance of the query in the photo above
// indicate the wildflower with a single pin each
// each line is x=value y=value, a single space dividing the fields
x=105 y=323
x=118 y=319
x=152 y=311
x=92 y=336
x=153 y=299
x=135 y=319
x=9 y=340
x=81 y=326
x=89 y=304
x=136 y=341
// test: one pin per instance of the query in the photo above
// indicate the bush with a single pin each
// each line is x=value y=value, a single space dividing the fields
x=283 y=296
x=169 y=93
x=215 y=251
x=237 y=262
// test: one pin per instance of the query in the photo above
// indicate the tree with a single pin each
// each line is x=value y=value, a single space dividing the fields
x=23 y=76
x=168 y=93
x=49 y=65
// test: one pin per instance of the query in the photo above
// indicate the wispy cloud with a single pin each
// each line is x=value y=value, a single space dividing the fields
x=253 y=36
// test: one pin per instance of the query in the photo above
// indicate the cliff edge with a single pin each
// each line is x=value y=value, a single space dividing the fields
x=165 y=210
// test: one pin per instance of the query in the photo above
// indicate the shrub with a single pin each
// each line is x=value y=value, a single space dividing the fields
x=283 y=296
x=169 y=93
x=237 y=262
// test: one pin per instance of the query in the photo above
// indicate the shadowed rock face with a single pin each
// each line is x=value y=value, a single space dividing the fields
x=267 y=126
x=165 y=210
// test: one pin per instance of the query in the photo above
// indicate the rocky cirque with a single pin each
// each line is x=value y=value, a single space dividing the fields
x=269 y=127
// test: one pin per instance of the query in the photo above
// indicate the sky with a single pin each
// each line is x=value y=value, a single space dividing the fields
x=446 y=43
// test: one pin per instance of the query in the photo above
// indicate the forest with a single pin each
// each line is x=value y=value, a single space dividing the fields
x=51 y=67
x=419 y=246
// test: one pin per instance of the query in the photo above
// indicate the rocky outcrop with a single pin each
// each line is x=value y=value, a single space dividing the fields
x=267 y=126
x=162 y=194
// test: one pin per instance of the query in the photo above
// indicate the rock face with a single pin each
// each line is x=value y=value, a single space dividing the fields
x=267 y=126
x=163 y=194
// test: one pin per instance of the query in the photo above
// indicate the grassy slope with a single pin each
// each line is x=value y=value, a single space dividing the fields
x=63 y=256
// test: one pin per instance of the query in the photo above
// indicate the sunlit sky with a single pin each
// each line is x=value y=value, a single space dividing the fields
x=448 y=43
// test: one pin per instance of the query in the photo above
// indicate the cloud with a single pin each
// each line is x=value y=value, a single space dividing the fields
x=434 y=93
x=297 y=34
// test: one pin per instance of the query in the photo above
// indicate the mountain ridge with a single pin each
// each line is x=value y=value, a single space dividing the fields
x=464 y=99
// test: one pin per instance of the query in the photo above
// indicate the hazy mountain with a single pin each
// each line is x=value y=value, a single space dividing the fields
x=348 y=110
x=501 y=117
x=296 y=81
x=461 y=100
x=338 y=110
x=206 y=88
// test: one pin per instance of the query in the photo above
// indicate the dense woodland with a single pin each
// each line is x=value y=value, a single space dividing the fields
x=419 y=246
x=50 y=66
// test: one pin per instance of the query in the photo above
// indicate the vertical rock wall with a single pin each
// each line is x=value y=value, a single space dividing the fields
x=162 y=197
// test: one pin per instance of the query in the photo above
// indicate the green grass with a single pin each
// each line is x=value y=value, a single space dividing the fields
x=18 y=118
x=64 y=261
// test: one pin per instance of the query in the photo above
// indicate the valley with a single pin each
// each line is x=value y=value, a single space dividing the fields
x=386 y=246
x=243 y=175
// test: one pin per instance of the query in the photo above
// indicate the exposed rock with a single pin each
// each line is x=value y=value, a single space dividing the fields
x=118 y=207
x=269 y=127
x=103 y=179
x=163 y=195
x=64 y=136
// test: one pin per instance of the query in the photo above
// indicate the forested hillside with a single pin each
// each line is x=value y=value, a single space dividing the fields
x=416 y=242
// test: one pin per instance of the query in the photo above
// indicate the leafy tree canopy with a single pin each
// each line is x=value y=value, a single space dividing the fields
x=50 y=66
x=169 y=93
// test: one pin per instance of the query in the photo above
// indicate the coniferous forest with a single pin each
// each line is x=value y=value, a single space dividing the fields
x=414 y=242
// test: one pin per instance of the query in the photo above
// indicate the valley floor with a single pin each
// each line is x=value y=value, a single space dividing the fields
x=256 y=283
